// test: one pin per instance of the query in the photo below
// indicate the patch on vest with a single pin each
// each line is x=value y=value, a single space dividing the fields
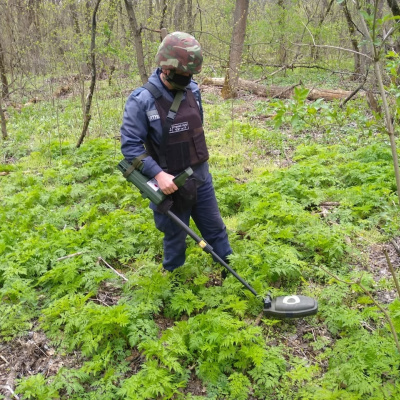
x=175 y=128
x=152 y=115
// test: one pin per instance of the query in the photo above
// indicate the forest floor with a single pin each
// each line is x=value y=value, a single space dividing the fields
x=33 y=353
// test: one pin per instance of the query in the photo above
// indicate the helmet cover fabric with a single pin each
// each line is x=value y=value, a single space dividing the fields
x=181 y=52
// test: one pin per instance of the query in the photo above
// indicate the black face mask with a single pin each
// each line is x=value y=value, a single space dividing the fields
x=177 y=81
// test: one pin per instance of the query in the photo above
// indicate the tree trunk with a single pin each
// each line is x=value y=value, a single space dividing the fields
x=87 y=116
x=235 y=55
x=163 y=6
x=4 y=81
x=190 y=18
x=33 y=35
x=394 y=7
x=74 y=18
x=87 y=15
x=281 y=38
x=354 y=41
x=179 y=15
x=3 y=121
x=138 y=41
x=33 y=18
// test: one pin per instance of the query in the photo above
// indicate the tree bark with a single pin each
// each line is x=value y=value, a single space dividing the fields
x=87 y=15
x=279 y=91
x=190 y=18
x=163 y=9
x=281 y=24
x=87 y=116
x=138 y=41
x=236 y=49
x=3 y=121
x=394 y=7
x=179 y=15
x=33 y=18
x=354 y=41
x=4 y=81
x=74 y=18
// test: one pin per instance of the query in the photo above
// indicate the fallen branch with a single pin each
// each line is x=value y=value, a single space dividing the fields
x=113 y=269
x=11 y=381
x=7 y=387
x=280 y=92
x=397 y=248
x=258 y=319
x=70 y=256
x=329 y=204
x=3 y=359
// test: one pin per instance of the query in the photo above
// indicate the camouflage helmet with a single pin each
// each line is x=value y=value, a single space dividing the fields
x=181 y=52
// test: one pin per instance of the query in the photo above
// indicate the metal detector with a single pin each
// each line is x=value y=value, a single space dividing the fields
x=294 y=306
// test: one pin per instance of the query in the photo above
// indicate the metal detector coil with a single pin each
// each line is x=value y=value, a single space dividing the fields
x=294 y=306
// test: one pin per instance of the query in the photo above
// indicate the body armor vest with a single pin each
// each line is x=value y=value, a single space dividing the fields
x=184 y=144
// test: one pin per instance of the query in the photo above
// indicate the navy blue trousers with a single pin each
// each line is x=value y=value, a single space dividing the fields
x=206 y=215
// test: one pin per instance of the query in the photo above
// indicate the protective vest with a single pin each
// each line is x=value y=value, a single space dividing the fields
x=183 y=144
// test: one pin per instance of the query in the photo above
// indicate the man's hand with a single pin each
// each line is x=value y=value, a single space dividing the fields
x=166 y=183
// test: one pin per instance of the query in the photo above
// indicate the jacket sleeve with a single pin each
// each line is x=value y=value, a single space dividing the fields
x=134 y=131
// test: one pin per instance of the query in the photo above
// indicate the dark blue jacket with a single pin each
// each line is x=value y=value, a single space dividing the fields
x=141 y=122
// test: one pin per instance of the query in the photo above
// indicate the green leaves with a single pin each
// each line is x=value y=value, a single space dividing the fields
x=85 y=325
x=184 y=300
x=35 y=387
x=239 y=386
x=151 y=382
x=290 y=201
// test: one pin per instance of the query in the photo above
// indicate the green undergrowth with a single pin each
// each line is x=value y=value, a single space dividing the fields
x=294 y=200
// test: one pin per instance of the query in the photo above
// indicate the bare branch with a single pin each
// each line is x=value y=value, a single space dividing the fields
x=70 y=256
x=334 y=47
x=354 y=92
x=113 y=269
x=397 y=248
x=7 y=387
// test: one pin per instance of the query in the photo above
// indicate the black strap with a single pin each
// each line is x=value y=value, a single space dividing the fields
x=135 y=164
x=153 y=90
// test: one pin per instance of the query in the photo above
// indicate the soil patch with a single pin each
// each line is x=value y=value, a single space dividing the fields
x=30 y=355
x=379 y=267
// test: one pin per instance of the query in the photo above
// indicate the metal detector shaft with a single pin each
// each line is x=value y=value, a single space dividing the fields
x=281 y=307
x=208 y=249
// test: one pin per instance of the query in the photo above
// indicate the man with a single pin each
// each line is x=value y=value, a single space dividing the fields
x=163 y=129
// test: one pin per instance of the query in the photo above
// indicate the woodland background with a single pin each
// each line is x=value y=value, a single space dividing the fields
x=301 y=107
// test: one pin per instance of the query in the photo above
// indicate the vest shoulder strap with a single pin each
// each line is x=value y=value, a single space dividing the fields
x=156 y=93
